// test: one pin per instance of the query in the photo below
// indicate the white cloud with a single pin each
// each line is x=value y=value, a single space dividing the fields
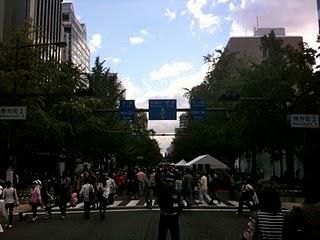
x=132 y=91
x=170 y=14
x=284 y=14
x=113 y=60
x=183 y=13
x=231 y=6
x=222 y=1
x=174 y=90
x=95 y=42
x=170 y=70
x=206 y=22
x=136 y=40
x=144 y=32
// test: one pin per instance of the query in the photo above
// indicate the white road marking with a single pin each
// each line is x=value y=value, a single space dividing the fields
x=234 y=203
x=133 y=203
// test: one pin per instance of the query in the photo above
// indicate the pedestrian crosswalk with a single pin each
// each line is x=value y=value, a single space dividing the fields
x=128 y=203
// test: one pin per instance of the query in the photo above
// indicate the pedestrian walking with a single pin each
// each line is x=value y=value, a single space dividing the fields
x=102 y=195
x=47 y=195
x=148 y=189
x=232 y=187
x=112 y=188
x=203 y=189
x=188 y=186
x=268 y=222
x=63 y=194
x=3 y=212
x=87 y=194
x=10 y=197
x=246 y=196
x=35 y=198
x=131 y=183
x=140 y=177
x=170 y=207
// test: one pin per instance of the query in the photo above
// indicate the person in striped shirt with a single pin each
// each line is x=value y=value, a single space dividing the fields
x=268 y=222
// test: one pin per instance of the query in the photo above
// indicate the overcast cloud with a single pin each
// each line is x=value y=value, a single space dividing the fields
x=299 y=17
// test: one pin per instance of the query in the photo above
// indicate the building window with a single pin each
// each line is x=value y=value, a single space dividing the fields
x=65 y=17
x=67 y=29
x=265 y=53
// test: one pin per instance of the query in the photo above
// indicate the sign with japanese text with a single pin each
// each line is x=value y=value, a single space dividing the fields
x=164 y=109
x=13 y=113
x=127 y=109
x=304 y=120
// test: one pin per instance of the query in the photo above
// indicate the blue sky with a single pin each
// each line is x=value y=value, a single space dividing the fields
x=157 y=46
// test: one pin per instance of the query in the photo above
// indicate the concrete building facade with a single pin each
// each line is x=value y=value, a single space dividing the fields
x=43 y=16
x=250 y=47
x=75 y=35
x=318 y=7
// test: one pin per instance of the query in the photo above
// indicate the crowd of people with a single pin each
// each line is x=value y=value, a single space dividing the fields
x=182 y=188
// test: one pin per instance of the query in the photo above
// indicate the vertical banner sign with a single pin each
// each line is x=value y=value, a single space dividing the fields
x=163 y=109
x=127 y=110
x=197 y=109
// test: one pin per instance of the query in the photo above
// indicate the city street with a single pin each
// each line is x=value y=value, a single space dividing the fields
x=130 y=224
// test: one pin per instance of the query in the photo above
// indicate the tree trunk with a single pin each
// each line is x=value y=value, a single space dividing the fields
x=290 y=162
x=281 y=165
x=254 y=162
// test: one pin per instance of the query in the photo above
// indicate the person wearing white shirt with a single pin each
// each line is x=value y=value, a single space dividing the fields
x=10 y=200
x=203 y=189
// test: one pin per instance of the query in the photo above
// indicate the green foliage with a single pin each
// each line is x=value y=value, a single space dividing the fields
x=59 y=119
x=284 y=82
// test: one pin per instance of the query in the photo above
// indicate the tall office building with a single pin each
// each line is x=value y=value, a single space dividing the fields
x=250 y=47
x=75 y=35
x=318 y=6
x=1 y=19
x=42 y=15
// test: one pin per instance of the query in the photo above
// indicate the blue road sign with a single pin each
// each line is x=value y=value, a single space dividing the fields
x=198 y=109
x=163 y=109
x=127 y=109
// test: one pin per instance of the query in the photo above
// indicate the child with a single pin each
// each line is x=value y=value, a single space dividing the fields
x=74 y=199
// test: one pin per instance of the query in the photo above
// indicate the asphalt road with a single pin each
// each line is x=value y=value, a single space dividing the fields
x=129 y=225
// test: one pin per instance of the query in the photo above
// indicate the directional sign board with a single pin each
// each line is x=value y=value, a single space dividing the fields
x=304 y=120
x=163 y=109
x=13 y=112
x=197 y=109
x=127 y=109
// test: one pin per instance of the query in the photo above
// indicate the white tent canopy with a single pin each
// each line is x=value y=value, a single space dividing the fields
x=207 y=159
x=181 y=163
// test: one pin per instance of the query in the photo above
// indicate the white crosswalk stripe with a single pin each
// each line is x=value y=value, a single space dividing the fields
x=133 y=203
x=115 y=204
x=79 y=205
x=234 y=203
x=221 y=204
x=138 y=203
x=152 y=203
